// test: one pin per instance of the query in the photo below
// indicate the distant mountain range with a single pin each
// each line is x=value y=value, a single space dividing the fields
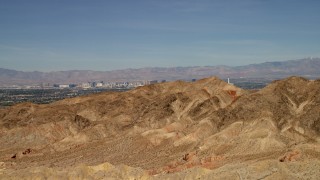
x=309 y=67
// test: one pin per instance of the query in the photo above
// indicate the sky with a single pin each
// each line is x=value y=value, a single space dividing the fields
x=52 y=35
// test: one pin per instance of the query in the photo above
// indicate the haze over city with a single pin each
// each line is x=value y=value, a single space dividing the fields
x=57 y=35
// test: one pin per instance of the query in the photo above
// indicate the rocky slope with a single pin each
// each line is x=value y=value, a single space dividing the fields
x=206 y=129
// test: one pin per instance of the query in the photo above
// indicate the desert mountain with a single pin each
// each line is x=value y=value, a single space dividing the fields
x=305 y=67
x=176 y=130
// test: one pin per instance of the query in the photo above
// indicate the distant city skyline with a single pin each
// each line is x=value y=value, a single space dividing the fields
x=46 y=35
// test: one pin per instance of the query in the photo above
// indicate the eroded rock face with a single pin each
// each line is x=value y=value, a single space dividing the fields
x=194 y=130
x=81 y=122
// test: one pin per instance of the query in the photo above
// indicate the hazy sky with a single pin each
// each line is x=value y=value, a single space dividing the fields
x=50 y=35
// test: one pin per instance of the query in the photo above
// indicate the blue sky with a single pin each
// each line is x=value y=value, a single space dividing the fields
x=50 y=35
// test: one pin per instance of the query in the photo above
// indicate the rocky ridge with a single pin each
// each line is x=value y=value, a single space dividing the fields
x=171 y=130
